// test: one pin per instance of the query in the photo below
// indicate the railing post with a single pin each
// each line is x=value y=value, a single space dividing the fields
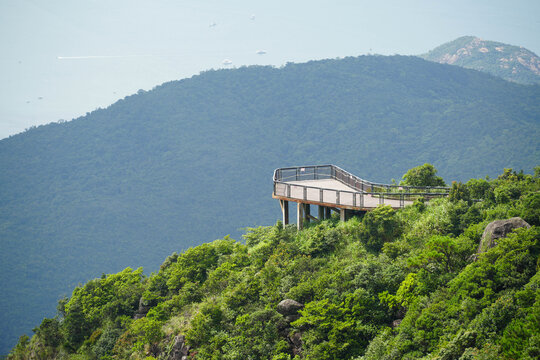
x=305 y=193
x=401 y=200
x=315 y=174
x=381 y=198
x=296 y=174
x=337 y=197
x=354 y=200
x=288 y=190
x=321 y=195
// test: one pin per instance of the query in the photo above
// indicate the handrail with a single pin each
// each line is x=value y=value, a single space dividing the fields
x=355 y=198
x=357 y=192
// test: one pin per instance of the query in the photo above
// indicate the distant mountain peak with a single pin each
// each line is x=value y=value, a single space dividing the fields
x=510 y=62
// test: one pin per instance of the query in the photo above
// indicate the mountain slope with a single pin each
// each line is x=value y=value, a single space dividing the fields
x=513 y=63
x=193 y=159
x=405 y=284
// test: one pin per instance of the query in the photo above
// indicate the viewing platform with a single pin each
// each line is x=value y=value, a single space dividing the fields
x=334 y=189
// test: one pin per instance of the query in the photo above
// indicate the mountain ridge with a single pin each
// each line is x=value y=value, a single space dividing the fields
x=510 y=62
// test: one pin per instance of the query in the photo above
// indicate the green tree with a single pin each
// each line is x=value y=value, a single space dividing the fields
x=423 y=175
x=379 y=226
x=459 y=191
x=195 y=263
x=148 y=331
x=110 y=297
x=19 y=351
x=480 y=189
x=49 y=332
x=444 y=254
x=339 y=330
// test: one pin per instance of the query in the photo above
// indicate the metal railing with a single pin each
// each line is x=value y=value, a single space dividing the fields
x=365 y=194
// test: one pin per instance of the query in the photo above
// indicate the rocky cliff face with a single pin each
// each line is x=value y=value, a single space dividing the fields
x=512 y=63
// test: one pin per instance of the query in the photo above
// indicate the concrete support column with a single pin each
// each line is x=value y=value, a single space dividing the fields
x=342 y=214
x=299 y=216
x=307 y=212
x=285 y=211
x=321 y=213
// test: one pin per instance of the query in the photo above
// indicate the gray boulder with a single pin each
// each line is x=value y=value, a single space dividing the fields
x=499 y=229
x=289 y=307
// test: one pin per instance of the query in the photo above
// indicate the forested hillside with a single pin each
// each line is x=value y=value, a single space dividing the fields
x=430 y=281
x=192 y=160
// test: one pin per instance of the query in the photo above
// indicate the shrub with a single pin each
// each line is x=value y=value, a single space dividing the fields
x=378 y=227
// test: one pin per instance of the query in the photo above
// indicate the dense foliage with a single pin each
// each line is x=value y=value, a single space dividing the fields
x=402 y=284
x=424 y=175
x=510 y=62
x=192 y=160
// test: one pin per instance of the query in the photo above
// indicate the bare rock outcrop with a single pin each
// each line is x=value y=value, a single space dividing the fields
x=289 y=309
x=142 y=310
x=180 y=350
x=295 y=341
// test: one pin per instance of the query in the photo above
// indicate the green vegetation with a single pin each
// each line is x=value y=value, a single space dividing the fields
x=392 y=285
x=424 y=175
x=192 y=160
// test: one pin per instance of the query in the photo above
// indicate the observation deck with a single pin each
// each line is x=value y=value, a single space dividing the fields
x=334 y=189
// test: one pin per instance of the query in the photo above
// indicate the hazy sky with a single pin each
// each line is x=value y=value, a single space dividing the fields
x=63 y=58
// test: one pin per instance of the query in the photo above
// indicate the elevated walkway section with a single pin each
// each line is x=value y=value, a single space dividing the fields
x=334 y=189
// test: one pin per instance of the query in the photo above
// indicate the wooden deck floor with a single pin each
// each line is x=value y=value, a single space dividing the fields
x=325 y=184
